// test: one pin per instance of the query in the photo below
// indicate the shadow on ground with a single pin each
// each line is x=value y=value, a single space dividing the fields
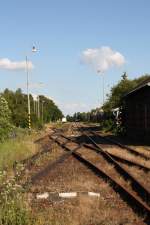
x=122 y=139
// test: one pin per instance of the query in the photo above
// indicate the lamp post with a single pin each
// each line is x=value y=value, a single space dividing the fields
x=38 y=107
x=28 y=95
x=43 y=111
x=102 y=74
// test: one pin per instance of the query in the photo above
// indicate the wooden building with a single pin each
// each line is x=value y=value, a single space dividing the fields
x=137 y=112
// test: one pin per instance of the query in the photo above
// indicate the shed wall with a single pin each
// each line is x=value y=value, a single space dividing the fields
x=137 y=114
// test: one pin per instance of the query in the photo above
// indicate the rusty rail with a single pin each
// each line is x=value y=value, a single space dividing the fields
x=129 y=149
x=140 y=203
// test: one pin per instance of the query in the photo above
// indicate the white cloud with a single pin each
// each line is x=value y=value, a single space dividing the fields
x=102 y=59
x=7 y=64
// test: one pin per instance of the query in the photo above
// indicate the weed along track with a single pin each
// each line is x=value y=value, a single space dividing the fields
x=46 y=147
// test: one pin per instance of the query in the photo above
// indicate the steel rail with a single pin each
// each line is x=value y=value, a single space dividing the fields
x=127 y=161
x=129 y=149
x=131 y=195
x=120 y=188
x=53 y=164
x=125 y=147
x=41 y=138
x=121 y=159
x=136 y=185
x=111 y=140
x=28 y=161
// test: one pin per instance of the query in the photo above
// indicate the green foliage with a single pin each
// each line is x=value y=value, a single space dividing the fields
x=119 y=90
x=13 y=210
x=5 y=125
x=18 y=105
x=115 y=99
x=108 y=125
x=17 y=148
x=17 y=102
x=93 y=116
x=50 y=112
x=69 y=118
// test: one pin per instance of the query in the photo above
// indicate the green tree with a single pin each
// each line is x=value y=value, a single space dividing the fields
x=48 y=110
x=17 y=102
x=125 y=85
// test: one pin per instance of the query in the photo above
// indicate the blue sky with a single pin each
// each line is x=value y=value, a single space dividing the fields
x=62 y=30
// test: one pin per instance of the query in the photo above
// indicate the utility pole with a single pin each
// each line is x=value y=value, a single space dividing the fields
x=28 y=95
x=103 y=88
x=34 y=106
x=38 y=107
x=43 y=111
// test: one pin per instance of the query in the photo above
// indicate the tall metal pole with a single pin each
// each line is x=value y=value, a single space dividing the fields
x=38 y=107
x=43 y=111
x=103 y=88
x=34 y=102
x=28 y=96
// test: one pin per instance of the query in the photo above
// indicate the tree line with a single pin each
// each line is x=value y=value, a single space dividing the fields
x=114 y=100
x=14 y=110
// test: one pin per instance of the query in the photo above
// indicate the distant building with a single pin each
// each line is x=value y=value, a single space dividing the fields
x=64 y=119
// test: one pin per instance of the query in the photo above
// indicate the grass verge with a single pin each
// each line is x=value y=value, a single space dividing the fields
x=17 y=149
x=14 y=209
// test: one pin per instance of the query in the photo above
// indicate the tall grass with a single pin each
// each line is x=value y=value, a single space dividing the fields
x=14 y=209
x=16 y=149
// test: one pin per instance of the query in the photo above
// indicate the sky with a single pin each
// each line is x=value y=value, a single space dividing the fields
x=78 y=42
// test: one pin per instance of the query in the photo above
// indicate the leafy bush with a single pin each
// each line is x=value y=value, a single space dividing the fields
x=108 y=125
x=5 y=125
x=13 y=210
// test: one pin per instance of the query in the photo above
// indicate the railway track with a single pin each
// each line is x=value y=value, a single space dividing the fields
x=117 y=143
x=124 y=160
x=109 y=157
x=94 y=157
x=132 y=161
x=129 y=149
x=137 y=192
x=28 y=162
x=140 y=168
